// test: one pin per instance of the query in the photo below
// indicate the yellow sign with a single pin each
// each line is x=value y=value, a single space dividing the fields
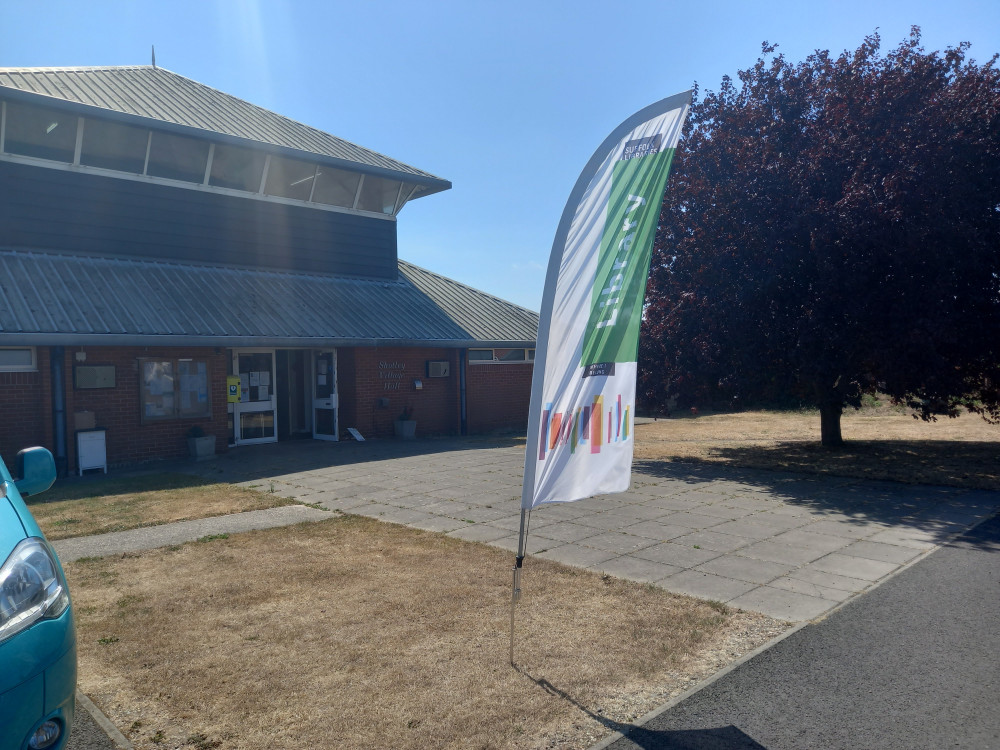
x=233 y=381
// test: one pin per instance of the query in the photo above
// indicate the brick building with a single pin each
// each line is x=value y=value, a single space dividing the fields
x=174 y=257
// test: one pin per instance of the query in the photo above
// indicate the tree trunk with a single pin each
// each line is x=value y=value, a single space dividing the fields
x=829 y=416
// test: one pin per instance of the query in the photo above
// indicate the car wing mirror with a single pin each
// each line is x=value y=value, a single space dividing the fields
x=36 y=469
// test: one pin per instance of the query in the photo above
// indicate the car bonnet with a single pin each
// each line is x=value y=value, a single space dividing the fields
x=12 y=529
x=12 y=523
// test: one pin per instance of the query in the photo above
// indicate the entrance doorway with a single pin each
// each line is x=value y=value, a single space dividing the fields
x=294 y=393
x=285 y=394
x=255 y=414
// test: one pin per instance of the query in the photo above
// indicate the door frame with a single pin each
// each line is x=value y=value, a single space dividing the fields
x=249 y=407
x=332 y=402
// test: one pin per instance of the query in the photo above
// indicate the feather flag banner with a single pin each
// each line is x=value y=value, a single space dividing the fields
x=583 y=394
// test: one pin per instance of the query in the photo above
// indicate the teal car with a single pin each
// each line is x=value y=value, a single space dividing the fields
x=37 y=634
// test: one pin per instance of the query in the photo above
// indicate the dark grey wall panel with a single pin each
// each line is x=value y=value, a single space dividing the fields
x=97 y=215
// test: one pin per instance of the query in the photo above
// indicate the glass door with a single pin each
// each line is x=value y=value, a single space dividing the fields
x=324 y=384
x=256 y=411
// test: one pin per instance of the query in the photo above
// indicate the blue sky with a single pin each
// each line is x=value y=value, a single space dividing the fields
x=506 y=100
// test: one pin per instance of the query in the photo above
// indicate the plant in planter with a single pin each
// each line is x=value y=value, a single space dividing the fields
x=200 y=446
x=406 y=425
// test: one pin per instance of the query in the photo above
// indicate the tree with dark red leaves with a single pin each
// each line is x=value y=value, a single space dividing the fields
x=832 y=229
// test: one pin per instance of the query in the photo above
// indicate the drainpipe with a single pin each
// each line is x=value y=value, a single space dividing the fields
x=463 y=356
x=57 y=362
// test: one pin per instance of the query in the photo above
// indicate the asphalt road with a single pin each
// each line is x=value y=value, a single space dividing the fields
x=86 y=735
x=913 y=664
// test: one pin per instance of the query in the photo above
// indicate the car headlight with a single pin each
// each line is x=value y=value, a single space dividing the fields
x=32 y=588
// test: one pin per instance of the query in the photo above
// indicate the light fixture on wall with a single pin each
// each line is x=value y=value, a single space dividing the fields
x=418 y=385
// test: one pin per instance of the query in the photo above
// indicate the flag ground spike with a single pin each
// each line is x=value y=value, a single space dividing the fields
x=515 y=591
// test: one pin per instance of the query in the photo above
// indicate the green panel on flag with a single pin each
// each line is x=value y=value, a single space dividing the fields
x=637 y=184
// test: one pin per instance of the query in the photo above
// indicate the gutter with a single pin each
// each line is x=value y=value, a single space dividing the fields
x=127 y=339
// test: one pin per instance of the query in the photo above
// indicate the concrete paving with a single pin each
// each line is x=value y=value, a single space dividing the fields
x=790 y=546
x=167 y=534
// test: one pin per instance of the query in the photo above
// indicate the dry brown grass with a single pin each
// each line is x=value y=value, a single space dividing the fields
x=356 y=634
x=79 y=508
x=880 y=444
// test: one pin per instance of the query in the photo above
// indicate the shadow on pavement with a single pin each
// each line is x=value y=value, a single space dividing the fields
x=985 y=537
x=718 y=738
x=956 y=463
x=250 y=462
x=715 y=738
x=929 y=513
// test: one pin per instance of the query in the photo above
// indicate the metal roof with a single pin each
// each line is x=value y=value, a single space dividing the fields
x=57 y=299
x=160 y=96
x=485 y=317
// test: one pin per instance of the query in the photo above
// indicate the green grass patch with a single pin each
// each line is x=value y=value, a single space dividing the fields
x=213 y=537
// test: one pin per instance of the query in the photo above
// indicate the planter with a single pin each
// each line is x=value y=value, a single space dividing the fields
x=201 y=448
x=405 y=428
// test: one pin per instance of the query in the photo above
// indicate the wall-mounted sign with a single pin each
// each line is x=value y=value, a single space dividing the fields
x=391 y=373
x=93 y=376
x=233 y=385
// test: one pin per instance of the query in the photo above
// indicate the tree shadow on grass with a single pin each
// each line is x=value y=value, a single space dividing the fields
x=78 y=488
x=712 y=738
x=952 y=463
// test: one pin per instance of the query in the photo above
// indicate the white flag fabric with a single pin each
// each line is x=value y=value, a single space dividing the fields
x=580 y=426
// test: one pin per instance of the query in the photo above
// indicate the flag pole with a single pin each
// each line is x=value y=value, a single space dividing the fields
x=515 y=591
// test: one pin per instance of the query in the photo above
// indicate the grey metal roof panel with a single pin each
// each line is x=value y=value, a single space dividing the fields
x=47 y=297
x=485 y=317
x=162 y=96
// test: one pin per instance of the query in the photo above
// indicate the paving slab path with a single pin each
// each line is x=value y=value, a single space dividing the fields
x=164 y=535
x=791 y=546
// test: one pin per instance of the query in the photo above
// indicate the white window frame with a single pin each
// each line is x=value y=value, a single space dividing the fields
x=402 y=195
x=33 y=367
x=529 y=356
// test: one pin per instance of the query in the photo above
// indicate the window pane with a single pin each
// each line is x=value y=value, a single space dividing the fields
x=40 y=131
x=290 y=178
x=237 y=168
x=336 y=187
x=17 y=359
x=409 y=193
x=256 y=424
x=480 y=355
x=511 y=355
x=157 y=390
x=256 y=377
x=177 y=157
x=193 y=389
x=378 y=195
x=112 y=145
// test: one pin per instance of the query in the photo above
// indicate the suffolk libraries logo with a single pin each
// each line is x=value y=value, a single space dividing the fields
x=640 y=147
x=585 y=429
